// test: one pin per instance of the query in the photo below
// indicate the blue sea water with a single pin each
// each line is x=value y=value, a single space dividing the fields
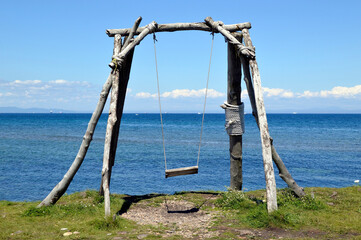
x=36 y=150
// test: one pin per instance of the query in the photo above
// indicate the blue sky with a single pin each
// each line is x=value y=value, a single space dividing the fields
x=55 y=54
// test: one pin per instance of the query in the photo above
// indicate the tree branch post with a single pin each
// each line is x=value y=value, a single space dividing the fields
x=263 y=126
x=234 y=98
x=123 y=83
x=283 y=172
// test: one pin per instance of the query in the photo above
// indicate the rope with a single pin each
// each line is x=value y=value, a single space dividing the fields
x=160 y=106
x=205 y=100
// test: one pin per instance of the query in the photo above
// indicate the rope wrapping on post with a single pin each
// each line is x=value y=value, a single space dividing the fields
x=234 y=118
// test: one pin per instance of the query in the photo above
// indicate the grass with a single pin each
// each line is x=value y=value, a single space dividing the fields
x=330 y=212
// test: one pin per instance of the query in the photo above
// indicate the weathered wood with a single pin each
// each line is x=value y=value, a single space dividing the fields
x=132 y=31
x=112 y=120
x=123 y=84
x=121 y=56
x=63 y=185
x=234 y=98
x=181 y=171
x=263 y=126
x=124 y=78
x=283 y=172
x=172 y=27
x=248 y=51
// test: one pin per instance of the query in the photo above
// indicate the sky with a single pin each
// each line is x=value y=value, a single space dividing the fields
x=55 y=54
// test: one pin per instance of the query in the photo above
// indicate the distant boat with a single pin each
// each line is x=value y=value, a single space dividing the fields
x=51 y=111
x=136 y=114
x=199 y=113
x=294 y=113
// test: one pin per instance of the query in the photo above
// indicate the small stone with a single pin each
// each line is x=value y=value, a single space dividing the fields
x=334 y=194
x=330 y=203
x=67 y=234
x=141 y=236
x=245 y=232
x=82 y=194
x=121 y=233
x=63 y=229
x=118 y=238
x=76 y=232
x=108 y=234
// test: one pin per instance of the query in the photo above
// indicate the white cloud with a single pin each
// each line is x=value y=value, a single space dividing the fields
x=277 y=92
x=183 y=93
x=145 y=95
x=56 y=93
x=59 y=81
x=336 y=92
x=24 y=82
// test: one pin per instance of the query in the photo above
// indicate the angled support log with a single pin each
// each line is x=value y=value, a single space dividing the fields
x=172 y=27
x=283 y=172
x=248 y=51
x=263 y=126
x=234 y=98
x=132 y=31
x=63 y=185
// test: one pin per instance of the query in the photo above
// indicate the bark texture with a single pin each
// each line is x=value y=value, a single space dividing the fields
x=111 y=129
x=234 y=98
x=283 y=172
x=263 y=126
x=172 y=27
x=123 y=83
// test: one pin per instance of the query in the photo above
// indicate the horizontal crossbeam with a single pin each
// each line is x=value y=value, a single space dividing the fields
x=172 y=27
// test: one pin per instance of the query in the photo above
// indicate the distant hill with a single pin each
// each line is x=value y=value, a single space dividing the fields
x=32 y=110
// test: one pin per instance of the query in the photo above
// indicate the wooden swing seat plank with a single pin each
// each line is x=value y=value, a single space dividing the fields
x=181 y=171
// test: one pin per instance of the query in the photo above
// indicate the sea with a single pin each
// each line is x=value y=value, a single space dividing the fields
x=36 y=150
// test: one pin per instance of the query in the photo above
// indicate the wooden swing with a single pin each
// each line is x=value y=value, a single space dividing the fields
x=184 y=170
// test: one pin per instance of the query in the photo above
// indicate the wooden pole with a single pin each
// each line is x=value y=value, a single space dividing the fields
x=112 y=120
x=283 y=172
x=234 y=98
x=172 y=27
x=263 y=126
x=124 y=78
x=63 y=185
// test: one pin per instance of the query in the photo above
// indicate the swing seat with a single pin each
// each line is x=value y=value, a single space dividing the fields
x=181 y=171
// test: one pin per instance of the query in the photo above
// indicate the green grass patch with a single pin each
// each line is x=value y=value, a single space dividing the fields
x=334 y=212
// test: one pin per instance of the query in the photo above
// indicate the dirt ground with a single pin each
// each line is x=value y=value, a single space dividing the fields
x=187 y=220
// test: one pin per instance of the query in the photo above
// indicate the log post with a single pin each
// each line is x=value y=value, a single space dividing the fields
x=234 y=98
x=263 y=126
x=63 y=185
x=283 y=172
x=111 y=129
x=123 y=83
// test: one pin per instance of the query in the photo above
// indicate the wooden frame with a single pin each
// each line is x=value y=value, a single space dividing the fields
x=241 y=56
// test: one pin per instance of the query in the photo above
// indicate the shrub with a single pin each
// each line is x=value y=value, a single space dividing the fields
x=233 y=199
